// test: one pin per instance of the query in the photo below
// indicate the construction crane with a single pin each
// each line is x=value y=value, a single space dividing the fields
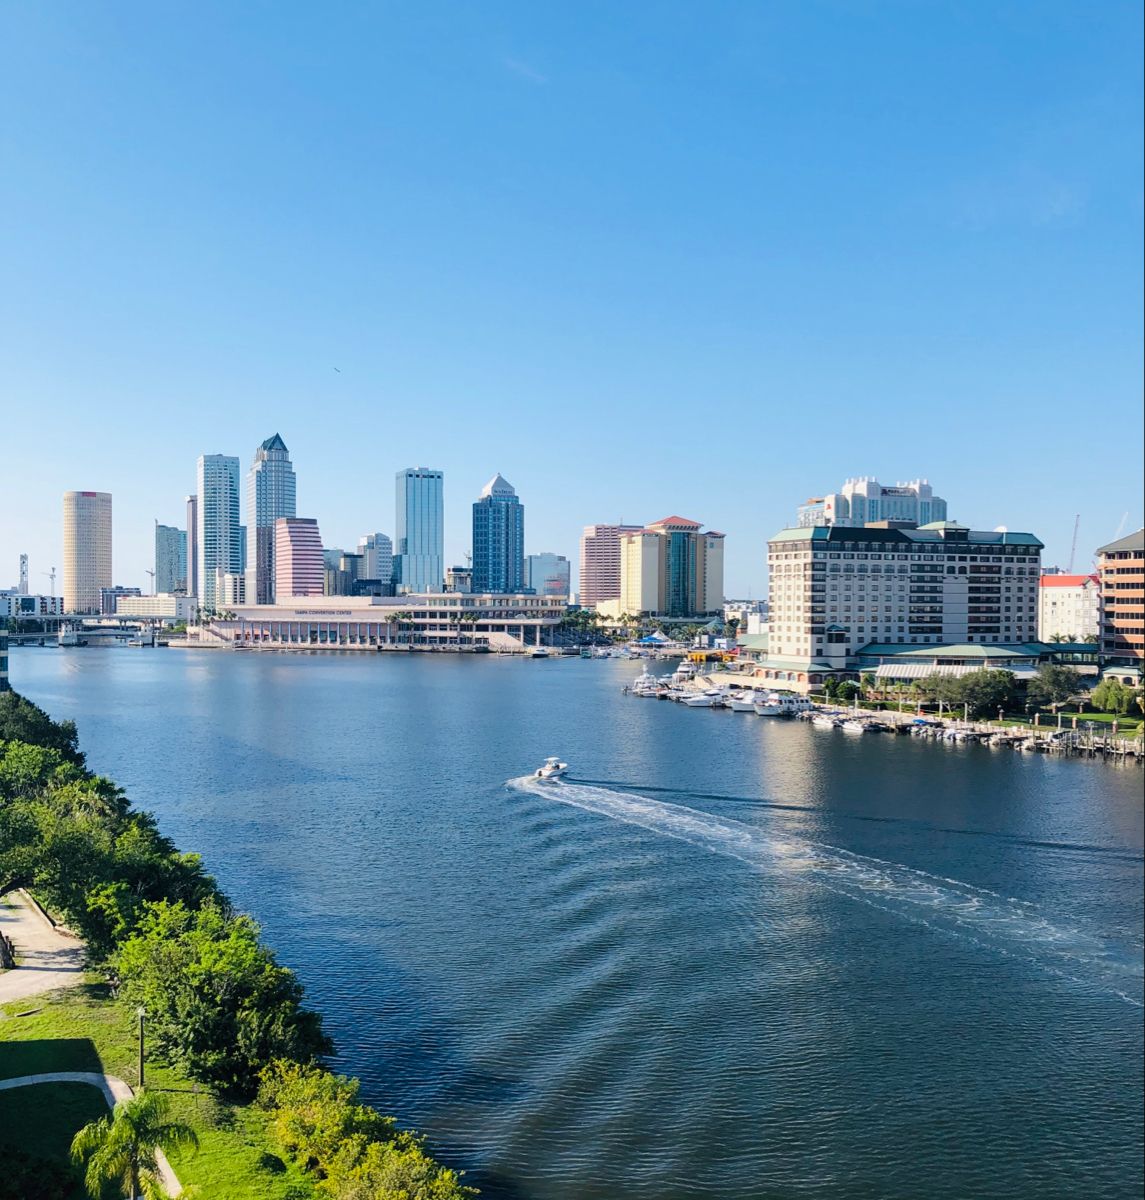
x=1073 y=545
x=152 y=575
x=52 y=576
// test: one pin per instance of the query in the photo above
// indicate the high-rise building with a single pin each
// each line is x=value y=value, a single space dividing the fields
x=220 y=536
x=498 y=538
x=865 y=499
x=270 y=495
x=834 y=590
x=548 y=575
x=170 y=559
x=1121 y=566
x=193 y=546
x=419 y=549
x=87 y=549
x=672 y=569
x=1069 y=607
x=299 y=569
x=377 y=553
x=600 y=562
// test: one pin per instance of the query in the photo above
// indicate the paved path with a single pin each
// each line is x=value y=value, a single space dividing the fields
x=114 y=1090
x=48 y=959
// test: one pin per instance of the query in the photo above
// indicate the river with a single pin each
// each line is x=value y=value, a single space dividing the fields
x=733 y=957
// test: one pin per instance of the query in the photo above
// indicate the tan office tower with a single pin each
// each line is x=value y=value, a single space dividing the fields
x=600 y=562
x=87 y=549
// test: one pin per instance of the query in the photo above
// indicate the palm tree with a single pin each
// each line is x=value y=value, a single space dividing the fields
x=120 y=1149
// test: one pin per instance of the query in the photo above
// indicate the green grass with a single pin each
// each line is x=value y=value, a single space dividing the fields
x=84 y=1030
x=40 y=1121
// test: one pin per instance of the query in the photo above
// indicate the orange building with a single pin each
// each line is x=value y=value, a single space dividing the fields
x=1121 y=566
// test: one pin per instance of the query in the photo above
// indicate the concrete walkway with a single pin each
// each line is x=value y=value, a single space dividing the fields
x=114 y=1090
x=48 y=959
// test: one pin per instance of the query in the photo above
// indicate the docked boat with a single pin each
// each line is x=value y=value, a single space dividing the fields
x=854 y=726
x=553 y=768
x=701 y=699
x=782 y=704
x=740 y=703
x=825 y=721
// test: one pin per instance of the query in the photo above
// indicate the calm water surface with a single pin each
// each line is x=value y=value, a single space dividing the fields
x=734 y=958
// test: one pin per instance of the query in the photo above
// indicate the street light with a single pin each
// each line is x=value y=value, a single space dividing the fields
x=141 y=1012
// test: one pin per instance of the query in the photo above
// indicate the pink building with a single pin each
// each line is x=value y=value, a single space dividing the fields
x=600 y=562
x=299 y=569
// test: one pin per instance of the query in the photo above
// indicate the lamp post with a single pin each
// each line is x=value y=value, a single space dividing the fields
x=141 y=1012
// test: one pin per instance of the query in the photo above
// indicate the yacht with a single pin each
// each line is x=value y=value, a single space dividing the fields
x=741 y=702
x=782 y=704
x=553 y=769
x=854 y=726
x=701 y=699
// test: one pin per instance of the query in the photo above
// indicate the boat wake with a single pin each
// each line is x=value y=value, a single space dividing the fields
x=998 y=923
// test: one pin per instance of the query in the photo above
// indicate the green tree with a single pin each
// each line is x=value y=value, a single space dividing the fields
x=984 y=692
x=847 y=691
x=23 y=721
x=1112 y=696
x=120 y=1149
x=219 y=1002
x=1053 y=685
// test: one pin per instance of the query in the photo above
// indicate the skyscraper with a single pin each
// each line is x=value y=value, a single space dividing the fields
x=219 y=532
x=419 y=559
x=498 y=538
x=672 y=569
x=170 y=559
x=87 y=549
x=299 y=569
x=600 y=562
x=270 y=495
x=193 y=546
x=377 y=553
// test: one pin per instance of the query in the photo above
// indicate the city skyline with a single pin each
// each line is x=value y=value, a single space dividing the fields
x=459 y=259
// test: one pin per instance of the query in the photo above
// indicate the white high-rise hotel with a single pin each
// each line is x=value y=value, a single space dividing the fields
x=87 y=550
x=865 y=499
x=270 y=495
x=419 y=550
x=836 y=591
x=219 y=541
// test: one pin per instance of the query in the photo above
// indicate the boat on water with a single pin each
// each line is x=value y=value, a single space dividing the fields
x=825 y=721
x=553 y=768
x=854 y=726
x=708 y=699
x=740 y=703
x=782 y=704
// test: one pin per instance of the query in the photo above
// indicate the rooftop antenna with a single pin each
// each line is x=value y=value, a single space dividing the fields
x=1073 y=545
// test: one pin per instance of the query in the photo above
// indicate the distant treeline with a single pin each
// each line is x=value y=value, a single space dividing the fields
x=217 y=1002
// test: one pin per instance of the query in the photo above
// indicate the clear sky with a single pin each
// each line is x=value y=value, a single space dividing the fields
x=644 y=259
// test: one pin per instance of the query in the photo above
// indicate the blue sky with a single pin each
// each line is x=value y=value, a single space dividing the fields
x=642 y=259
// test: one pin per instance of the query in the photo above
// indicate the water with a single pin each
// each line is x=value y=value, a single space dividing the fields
x=731 y=958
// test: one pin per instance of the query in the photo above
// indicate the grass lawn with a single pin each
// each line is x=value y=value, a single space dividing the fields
x=39 y=1123
x=84 y=1030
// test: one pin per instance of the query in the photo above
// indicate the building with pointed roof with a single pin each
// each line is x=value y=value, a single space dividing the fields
x=270 y=495
x=671 y=569
x=498 y=538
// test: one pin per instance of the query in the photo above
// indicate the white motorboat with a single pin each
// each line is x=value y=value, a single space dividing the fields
x=855 y=726
x=741 y=703
x=825 y=721
x=700 y=699
x=553 y=769
x=782 y=704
